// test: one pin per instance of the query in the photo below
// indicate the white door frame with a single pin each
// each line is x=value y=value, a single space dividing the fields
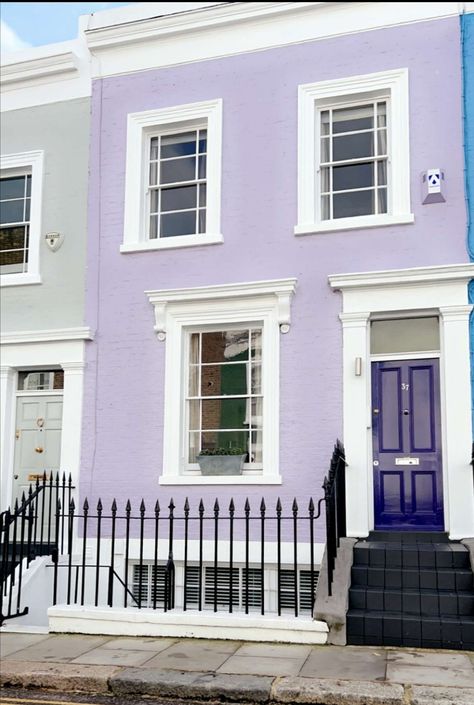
x=441 y=290
x=42 y=350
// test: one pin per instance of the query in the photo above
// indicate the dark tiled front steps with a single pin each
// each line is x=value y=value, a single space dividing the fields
x=411 y=589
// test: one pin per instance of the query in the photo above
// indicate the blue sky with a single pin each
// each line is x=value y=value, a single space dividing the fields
x=26 y=24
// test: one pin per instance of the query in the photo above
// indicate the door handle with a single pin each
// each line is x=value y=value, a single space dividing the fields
x=15 y=477
x=38 y=449
x=405 y=412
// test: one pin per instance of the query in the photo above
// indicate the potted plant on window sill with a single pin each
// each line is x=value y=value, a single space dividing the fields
x=221 y=461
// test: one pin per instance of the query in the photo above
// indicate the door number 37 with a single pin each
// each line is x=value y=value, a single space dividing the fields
x=405 y=387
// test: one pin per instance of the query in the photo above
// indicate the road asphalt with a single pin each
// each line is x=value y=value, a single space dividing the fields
x=234 y=671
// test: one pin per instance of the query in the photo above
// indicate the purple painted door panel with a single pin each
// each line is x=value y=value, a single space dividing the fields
x=406 y=430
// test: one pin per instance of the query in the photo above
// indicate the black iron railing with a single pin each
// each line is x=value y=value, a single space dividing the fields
x=335 y=498
x=27 y=531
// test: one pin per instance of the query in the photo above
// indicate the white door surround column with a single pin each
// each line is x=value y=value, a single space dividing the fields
x=442 y=291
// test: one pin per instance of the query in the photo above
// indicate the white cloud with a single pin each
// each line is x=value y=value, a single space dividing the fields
x=9 y=39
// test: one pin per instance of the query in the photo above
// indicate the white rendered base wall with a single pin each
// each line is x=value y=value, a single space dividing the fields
x=127 y=622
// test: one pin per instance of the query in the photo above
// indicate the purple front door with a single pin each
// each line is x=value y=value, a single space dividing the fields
x=406 y=427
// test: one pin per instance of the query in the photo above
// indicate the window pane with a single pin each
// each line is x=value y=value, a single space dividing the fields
x=193 y=380
x=12 y=188
x=12 y=211
x=224 y=413
x=12 y=238
x=382 y=173
x=194 y=446
x=202 y=167
x=354 y=176
x=404 y=335
x=351 y=119
x=381 y=142
x=225 y=346
x=154 y=148
x=257 y=406
x=178 y=145
x=153 y=173
x=194 y=415
x=202 y=194
x=325 y=154
x=225 y=439
x=154 y=201
x=11 y=261
x=382 y=200
x=174 y=224
x=256 y=340
x=28 y=185
x=256 y=378
x=353 y=146
x=178 y=170
x=256 y=448
x=153 y=227
x=325 y=122
x=40 y=380
x=202 y=141
x=194 y=349
x=325 y=214
x=381 y=114
x=325 y=179
x=221 y=380
x=174 y=199
x=202 y=220
x=27 y=209
x=351 y=204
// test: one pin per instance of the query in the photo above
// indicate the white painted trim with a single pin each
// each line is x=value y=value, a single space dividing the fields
x=32 y=161
x=40 y=67
x=232 y=28
x=139 y=126
x=363 y=221
x=176 y=312
x=68 y=354
x=244 y=479
x=312 y=97
x=439 y=289
x=45 y=336
x=169 y=243
x=204 y=625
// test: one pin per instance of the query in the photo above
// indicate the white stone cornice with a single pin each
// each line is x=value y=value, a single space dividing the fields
x=46 y=336
x=354 y=320
x=73 y=367
x=16 y=73
x=281 y=289
x=402 y=277
x=455 y=313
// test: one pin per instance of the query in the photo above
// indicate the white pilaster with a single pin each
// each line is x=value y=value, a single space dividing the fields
x=7 y=430
x=72 y=419
x=355 y=344
x=458 y=490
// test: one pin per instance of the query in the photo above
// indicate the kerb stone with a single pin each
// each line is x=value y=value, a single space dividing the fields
x=336 y=692
x=57 y=676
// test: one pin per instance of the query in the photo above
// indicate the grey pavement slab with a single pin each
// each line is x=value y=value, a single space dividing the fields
x=262 y=666
x=293 y=651
x=345 y=662
x=59 y=649
x=140 y=643
x=64 y=676
x=422 y=695
x=174 y=684
x=194 y=655
x=430 y=658
x=429 y=675
x=336 y=692
x=114 y=657
x=11 y=642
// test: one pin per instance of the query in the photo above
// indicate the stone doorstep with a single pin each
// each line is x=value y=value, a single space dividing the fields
x=231 y=688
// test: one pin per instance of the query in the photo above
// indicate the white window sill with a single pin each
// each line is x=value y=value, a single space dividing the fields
x=19 y=279
x=363 y=221
x=169 y=243
x=220 y=480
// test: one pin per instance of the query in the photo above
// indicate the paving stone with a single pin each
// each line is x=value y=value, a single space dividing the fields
x=336 y=692
x=429 y=658
x=429 y=675
x=65 y=677
x=293 y=651
x=421 y=695
x=190 y=655
x=11 y=642
x=346 y=663
x=175 y=684
x=60 y=649
x=262 y=666
x=115 y=657
x=140 y=644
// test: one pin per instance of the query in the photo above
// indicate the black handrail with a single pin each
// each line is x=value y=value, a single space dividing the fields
x=335 y=497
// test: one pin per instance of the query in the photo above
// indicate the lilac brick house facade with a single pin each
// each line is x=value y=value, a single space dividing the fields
x=270 y=266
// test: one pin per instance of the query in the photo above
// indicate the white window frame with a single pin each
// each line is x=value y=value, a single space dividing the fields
x=32 y=163
x=177 y=312
x=140 y=126
x=312 y=98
